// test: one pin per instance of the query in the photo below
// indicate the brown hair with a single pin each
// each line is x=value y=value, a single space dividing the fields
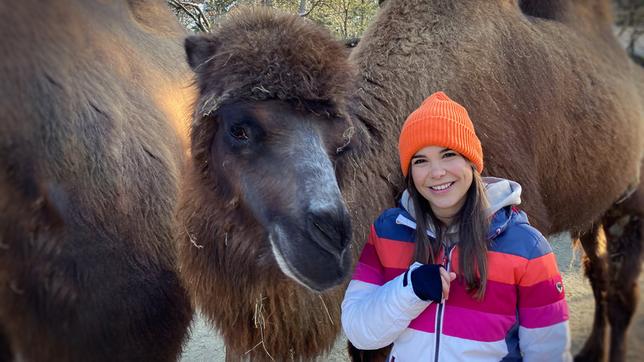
x=473 y=225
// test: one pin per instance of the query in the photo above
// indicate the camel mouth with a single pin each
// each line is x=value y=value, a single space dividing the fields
x=312 y=264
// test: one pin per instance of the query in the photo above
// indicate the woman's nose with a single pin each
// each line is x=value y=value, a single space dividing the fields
x=437 y=171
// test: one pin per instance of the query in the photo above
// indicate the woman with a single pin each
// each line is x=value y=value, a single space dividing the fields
x=456 y=272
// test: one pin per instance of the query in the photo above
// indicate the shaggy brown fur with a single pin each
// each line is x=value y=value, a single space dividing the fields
x=226 y=258
x=89 y=163
x=551 y=95
x=293 y=62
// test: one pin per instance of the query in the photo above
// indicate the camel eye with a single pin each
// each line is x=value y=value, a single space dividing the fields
x=342 y=150
x=239 y=133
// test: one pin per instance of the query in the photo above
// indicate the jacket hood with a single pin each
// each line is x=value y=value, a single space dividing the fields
x=501 y=193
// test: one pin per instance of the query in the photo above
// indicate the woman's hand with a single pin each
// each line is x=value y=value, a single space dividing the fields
x=431 y=282
x=446 y=279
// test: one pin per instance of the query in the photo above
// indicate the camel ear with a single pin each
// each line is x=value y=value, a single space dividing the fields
x=199 y=49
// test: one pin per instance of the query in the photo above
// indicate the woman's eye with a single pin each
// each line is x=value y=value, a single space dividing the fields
x=418 y=161
x=239 y=133
x=449 y=154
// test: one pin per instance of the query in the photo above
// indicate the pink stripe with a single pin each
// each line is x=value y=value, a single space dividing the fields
x=543 y=293
x=500 y=298
x=367 y=274
x=426 y=321
x=544 y=316
x=475 y=325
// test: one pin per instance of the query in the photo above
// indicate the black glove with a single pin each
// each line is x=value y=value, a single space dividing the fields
x=426 y=281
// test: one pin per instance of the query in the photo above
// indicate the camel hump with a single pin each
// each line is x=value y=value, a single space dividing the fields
x=570 y=11
x=153 y=17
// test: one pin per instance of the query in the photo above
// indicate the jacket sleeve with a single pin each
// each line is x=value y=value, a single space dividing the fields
x=543 y=313
x=375 y=313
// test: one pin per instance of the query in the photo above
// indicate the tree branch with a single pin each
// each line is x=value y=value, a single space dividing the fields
x=313 y=6
x=204 y=25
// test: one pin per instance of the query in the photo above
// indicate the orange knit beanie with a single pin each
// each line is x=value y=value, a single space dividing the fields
x=439 y=121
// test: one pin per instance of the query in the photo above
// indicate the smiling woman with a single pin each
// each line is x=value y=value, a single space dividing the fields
x=455 y=250
x=442 y=176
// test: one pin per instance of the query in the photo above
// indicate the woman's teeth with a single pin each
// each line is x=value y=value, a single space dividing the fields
x=441 y=187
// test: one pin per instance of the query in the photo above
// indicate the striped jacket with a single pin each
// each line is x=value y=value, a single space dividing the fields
x=523 y=315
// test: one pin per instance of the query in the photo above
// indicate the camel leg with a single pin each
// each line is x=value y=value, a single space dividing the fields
x=5 y=348
x=624 y=225
x=248 y=357
x=358 y=355
x=595 y=270
x=232 y=357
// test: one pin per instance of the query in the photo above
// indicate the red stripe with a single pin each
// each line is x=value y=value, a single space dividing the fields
x=544 y=316
x=394 y=253
x=373 y=236
x=544 y=293
x=540 y=269
x=476 y=325
x=502 y=267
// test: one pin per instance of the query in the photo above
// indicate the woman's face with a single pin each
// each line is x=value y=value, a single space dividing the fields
x=442 y=177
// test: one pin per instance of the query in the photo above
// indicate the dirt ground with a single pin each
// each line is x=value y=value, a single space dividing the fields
x=205 y=344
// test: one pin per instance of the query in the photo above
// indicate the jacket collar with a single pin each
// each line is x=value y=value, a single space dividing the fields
x=501 y=220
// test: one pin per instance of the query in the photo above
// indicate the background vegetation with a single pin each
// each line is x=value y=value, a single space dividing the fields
x=345 y=18
x=348 y=19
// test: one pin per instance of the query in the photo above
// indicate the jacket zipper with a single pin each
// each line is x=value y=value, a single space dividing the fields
x=439 y=313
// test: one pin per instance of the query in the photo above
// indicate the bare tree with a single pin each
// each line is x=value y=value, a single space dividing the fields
x=630 y=20
x=194 y=10
x=302 y=11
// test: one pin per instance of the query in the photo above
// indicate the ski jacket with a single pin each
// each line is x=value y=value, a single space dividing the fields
x=522 y=316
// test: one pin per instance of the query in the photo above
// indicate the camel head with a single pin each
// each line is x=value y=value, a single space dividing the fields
x=269 y=132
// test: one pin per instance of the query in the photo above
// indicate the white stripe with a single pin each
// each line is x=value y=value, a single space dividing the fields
x=460 y=349
x=405 y=221
x=550 y=343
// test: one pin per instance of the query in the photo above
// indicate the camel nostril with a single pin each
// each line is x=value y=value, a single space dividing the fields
x=330 y=229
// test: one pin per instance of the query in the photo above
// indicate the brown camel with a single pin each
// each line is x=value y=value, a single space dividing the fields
x=93 y=100
x=549 y=89
x=277 y=123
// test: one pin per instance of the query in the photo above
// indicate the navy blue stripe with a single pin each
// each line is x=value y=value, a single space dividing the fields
x=521 y=240
x=512 y=234
x=387 y=228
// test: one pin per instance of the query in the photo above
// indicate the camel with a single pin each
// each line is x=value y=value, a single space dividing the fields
x=273 y=139
x=253 y=289
x=95 y=102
